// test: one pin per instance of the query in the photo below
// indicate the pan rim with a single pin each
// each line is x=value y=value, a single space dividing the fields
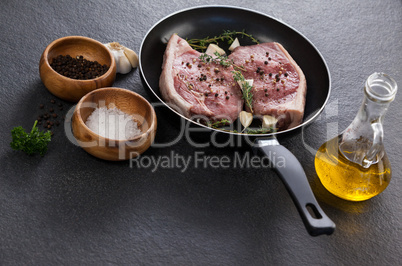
x=306 y=120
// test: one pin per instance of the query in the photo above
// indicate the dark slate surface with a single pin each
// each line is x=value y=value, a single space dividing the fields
x=71 y=208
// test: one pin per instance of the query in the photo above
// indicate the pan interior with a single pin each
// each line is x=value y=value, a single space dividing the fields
x=211 y=21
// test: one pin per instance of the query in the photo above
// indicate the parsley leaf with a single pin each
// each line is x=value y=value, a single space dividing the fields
x=34 y=142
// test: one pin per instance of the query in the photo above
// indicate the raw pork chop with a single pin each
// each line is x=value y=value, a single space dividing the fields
x=198 y=90
x=279 y=87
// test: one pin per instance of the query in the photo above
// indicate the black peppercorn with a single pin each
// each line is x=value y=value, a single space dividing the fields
x=78 y=67
x=277 y=78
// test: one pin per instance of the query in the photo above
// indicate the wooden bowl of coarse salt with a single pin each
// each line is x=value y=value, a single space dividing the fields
x=114 y=124
x=72 y=66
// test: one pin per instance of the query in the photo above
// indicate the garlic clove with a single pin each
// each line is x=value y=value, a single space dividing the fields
x=249 y=81
x=213 y=48
x=269 y=121
x=245 y=118
x=125 y=58
x=246 y=81
x=234 y=44
x=131 y=56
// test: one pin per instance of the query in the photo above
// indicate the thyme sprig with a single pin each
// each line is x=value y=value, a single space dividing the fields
x=219 y=59
x=227 y=35
x=222 y=60
x=224 y=122
x=261 y=130
x=245 y=88
x=218 y=124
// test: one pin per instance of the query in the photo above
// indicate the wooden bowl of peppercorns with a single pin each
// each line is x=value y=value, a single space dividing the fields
x=72 y=66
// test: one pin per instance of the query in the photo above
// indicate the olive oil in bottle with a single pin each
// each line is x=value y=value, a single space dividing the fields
x=354 y=165
x=349 y=180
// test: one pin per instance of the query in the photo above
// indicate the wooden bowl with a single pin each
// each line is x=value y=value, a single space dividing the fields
x=73 y=89
x=110 y=149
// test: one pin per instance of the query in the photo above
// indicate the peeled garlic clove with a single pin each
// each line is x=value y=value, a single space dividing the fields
x=249 y=82
x=269 y=121
x=234 y=44
x=246 y=81
x=213 y=48
x=245 y=118
x=131 y=56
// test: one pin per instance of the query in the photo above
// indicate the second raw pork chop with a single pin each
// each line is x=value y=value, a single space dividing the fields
x=279 y=86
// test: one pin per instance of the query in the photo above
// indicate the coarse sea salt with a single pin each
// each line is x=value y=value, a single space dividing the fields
x=112 y=123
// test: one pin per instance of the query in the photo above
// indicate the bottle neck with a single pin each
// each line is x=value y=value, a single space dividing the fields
x=362 y=140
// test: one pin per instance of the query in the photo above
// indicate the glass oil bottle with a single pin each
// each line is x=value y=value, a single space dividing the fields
x=354 y=165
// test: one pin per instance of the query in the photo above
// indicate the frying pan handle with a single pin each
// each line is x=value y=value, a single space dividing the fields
x=292 y=174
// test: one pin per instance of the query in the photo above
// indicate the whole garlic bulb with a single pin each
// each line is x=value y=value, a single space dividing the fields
x=125 y=58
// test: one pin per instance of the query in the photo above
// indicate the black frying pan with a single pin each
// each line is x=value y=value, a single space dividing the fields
x=200 y=22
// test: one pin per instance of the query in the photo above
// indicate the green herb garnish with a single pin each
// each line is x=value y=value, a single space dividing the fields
x=245 y=88
x=222 y=60
x=260 y=130
x=219 y=59
x=218 y=124
x=34 y=142
x=227 y=35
